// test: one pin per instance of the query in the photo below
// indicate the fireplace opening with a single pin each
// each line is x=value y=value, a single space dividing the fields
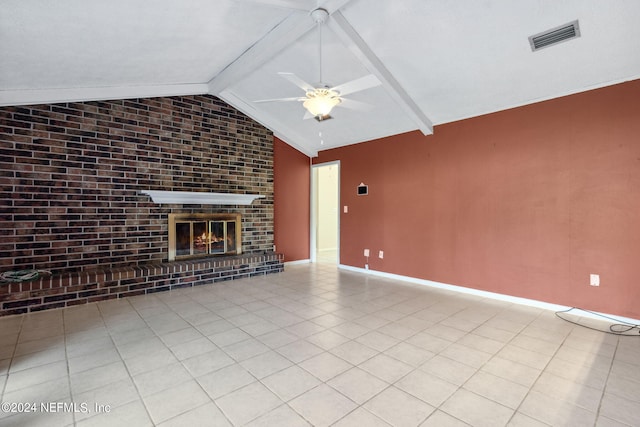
x=201 y=235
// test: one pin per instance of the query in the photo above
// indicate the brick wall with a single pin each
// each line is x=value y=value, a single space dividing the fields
x=70 y=177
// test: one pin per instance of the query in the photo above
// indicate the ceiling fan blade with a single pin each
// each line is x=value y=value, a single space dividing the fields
x=297 y=81
x=357 y=85
x=297 y=98
x=355 y=105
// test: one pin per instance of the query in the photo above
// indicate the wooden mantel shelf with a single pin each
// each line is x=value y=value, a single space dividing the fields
x=200 y=198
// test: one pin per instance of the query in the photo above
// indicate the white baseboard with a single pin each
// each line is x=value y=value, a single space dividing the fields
x=485 y=294
x=297 y=262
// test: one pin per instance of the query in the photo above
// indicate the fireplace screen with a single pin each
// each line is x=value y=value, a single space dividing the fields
x=198 y=235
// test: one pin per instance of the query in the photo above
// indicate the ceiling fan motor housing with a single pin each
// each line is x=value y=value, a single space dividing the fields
x=319 y=15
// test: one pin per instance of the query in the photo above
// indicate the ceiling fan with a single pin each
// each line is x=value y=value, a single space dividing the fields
x=319 y=100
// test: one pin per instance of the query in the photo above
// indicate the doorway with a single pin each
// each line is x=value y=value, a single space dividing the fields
x=325 y=215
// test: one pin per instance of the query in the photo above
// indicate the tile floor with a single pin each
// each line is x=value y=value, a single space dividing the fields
x=313 y=346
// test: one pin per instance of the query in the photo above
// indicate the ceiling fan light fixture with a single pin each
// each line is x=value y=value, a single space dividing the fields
x=321 y=101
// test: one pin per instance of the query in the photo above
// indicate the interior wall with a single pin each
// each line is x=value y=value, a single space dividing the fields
x=327 y=207
x=292 y=180
x=525 y=202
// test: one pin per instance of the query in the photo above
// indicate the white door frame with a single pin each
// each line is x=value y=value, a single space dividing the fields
x=313 y=220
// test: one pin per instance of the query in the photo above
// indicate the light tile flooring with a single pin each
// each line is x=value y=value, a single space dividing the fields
x=313 y=345
x=327 y=256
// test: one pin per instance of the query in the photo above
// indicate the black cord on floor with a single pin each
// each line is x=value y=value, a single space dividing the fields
x=619 y=328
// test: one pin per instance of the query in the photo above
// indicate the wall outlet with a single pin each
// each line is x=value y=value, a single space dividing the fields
x=381 y=254
x=366 y=252
x=594 y=279
x=346 y=209
x=274 y=248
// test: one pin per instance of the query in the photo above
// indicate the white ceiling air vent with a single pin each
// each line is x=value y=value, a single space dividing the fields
x=555 y=35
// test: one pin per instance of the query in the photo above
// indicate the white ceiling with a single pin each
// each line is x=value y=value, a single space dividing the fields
x=438 y=60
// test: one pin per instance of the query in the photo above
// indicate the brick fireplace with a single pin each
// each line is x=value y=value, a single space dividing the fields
x=71 y=182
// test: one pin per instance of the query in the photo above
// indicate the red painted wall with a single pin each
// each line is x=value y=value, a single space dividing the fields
x=525 y=202
x=291 y=176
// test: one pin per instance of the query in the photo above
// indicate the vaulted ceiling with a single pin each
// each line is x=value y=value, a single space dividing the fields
x=438 y=61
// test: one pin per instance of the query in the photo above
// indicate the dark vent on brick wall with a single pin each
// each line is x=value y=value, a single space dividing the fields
x=554 y=36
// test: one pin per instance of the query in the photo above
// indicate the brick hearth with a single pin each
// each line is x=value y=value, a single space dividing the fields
x=67 y=289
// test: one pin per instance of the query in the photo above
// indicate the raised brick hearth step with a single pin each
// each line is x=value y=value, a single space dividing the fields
x=69 y=289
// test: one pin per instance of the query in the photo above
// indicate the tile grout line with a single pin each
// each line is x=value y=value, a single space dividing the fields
x=606 y=383
x=66 y=359
x=122 y=358
x=480 y=368
x=211 y=399
x=13 y=355
x=542 y=371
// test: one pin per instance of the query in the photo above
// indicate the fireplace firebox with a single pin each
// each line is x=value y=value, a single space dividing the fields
x=200 y=235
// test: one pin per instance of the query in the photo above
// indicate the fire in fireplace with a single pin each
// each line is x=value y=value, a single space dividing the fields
x=201 y=235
